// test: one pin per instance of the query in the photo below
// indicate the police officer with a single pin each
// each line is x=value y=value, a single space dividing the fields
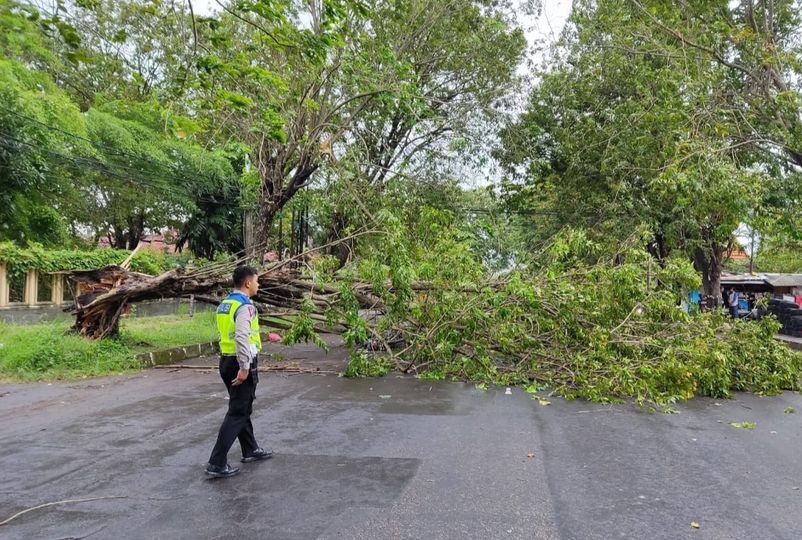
x=238 y=323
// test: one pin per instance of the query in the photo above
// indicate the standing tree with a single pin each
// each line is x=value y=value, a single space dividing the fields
x=377 y=80
x=34 y=189
x=129 y=164
x=653 y=117
x=461 y=58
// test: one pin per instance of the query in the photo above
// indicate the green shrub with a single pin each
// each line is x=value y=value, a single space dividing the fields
x=35 y=256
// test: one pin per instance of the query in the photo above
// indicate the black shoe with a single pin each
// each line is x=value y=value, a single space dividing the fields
x=257 y=455
x=222 y=472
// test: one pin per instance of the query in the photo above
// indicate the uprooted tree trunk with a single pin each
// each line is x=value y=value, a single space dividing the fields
x=104 y=294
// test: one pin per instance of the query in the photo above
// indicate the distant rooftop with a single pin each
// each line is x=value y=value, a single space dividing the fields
x=763 y=278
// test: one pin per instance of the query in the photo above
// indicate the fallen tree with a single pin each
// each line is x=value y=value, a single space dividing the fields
x=104 y=294
x=586 y=326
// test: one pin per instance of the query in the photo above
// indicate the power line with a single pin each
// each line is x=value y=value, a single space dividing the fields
x=510 y=211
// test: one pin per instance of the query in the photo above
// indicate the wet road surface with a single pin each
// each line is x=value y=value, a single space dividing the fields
x=392 y=458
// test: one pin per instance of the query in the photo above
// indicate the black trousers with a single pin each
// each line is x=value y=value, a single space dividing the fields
x=237 y=422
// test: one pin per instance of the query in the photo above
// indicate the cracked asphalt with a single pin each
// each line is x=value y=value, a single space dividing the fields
x=392 y=458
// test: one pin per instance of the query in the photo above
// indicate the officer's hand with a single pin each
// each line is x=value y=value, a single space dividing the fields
x=242 y=375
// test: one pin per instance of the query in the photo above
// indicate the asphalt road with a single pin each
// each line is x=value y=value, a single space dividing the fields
x=392 y=458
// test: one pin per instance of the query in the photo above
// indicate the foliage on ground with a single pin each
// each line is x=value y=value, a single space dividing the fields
x=584 y=324
x=364 y=365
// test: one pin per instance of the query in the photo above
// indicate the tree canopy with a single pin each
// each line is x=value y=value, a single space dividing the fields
x=680 y=116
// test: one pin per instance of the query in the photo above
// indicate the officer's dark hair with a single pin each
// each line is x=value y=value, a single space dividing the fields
x=241 y=273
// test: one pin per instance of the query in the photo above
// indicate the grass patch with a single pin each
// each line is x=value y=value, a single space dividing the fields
x=46 y=351
x=49 y=351
x=149 y=333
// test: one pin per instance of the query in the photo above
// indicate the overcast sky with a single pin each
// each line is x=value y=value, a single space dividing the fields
x=550 y=23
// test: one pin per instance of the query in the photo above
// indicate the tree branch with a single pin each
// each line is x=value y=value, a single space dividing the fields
x=686 y=41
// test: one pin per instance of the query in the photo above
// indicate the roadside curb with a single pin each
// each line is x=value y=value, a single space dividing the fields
x=792 y=342
x=163 y=357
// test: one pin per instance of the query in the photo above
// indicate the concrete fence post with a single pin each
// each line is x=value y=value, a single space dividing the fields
x=31 y=288
x=3 y=285
x=57 y=297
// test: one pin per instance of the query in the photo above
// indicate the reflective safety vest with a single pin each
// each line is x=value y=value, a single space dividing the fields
x=226 y=325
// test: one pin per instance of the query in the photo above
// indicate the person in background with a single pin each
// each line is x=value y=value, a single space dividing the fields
x=732 y=302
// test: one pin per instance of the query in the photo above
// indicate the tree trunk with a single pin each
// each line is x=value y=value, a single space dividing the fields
x=118 y=239
x=277 y=191
x=341 y=250
x=709 y=260
x=249 y=228
x=711 y=277
x=136 y=228
x=658 y=248
x=262 y=233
